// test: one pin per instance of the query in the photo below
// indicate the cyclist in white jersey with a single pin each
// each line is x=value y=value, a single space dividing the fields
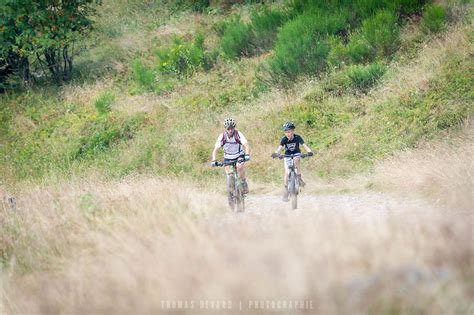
x=236 y=148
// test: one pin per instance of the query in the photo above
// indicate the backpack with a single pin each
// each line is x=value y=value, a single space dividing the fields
x=236 y=136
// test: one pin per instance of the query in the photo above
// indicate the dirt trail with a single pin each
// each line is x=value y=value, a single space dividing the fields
x=355 y=205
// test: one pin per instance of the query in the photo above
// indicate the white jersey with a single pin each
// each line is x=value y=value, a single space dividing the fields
x=232 y=149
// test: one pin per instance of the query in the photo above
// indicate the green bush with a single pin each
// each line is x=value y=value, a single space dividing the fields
x=359 y=49
x=195 y=5
x=103 y=103
x=364 y=77
x=144 y=77
x=182 y=58
x=362 y=9
x=356 y=78
x=236 y=39
x=338 y=54
x=434 y=17
x=302 y=44
x=265 y=24
x=406 y=7
x=382 y=32
x=105 y=132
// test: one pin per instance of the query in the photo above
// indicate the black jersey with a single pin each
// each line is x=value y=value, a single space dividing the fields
x=292 y=146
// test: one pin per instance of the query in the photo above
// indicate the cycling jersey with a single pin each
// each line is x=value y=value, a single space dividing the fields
x=292 y=146
x=232 y=148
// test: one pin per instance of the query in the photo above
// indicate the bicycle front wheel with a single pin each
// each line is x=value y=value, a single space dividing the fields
x=293 y=190
x=239 y=198
x=231 y=195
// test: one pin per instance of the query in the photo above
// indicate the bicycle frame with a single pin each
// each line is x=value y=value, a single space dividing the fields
x=293 y=183
x=234 y=187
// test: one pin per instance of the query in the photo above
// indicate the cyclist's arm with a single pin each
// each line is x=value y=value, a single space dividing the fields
x=217 y=146
x=247 y=148
x=245 y=143
x=278 y=150
x=306 y=148
x=214 y=153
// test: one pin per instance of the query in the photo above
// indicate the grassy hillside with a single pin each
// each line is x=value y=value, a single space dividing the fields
x=156 y=82
x=108 y=203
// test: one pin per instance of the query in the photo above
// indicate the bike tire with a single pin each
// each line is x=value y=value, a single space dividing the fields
x=231 y=192
x=292 y=188
x=240 y=199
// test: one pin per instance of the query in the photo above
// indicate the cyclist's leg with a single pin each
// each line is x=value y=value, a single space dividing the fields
x=242 y=175
x=297 y=161
x=241 y=169
x=298 y=172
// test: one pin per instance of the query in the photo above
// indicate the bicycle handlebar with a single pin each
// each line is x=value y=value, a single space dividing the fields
x=224 y=163
x=301 y=155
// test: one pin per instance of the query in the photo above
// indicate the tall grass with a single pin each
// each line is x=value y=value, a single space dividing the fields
x=439 y=171
x=117 y=247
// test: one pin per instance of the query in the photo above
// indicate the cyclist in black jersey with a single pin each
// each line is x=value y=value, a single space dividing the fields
x=291 y=142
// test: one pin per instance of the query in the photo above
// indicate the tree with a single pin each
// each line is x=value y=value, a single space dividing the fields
x=42 y=34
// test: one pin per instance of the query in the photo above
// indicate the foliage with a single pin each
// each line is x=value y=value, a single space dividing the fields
x=434 y=18
x=195 y=5
x=302 y=44
x=382 y=33
x=235 y=41
x=182 y=58
x=103 y=103
x=44 y=31
x=356 y=78
x=144 y=77
x=265 y=24
x=101 y=134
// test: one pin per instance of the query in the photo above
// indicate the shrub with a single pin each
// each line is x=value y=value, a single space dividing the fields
x=302 y=44
x=382 y=33
x=358 y=78
x=434 y=17
x=364 y=77
x=359 y=49
x=338 y=54
x=265 y=24
x=104 y=132
x=182 y=58
x=362 y=9
x=405 y=7
x=102 y=104
x=144 y=77
x=195 y=5
x=235 y=41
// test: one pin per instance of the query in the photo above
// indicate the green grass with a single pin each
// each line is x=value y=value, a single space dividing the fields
x=355 y=78
x=45 y=133
x=104 y=102
x=434 y=19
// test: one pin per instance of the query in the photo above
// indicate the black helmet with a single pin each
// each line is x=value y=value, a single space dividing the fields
x=229 y=122
x=288 y=126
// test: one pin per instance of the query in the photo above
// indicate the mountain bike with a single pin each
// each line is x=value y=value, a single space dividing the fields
x=235 y=187
x=293 y=183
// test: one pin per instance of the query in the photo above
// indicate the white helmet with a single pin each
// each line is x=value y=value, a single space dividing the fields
x=229 y=122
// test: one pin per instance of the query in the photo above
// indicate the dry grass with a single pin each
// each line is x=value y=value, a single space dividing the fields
x=124 y=247
x=85 y=94
x=442 y=171
x=415 y=75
